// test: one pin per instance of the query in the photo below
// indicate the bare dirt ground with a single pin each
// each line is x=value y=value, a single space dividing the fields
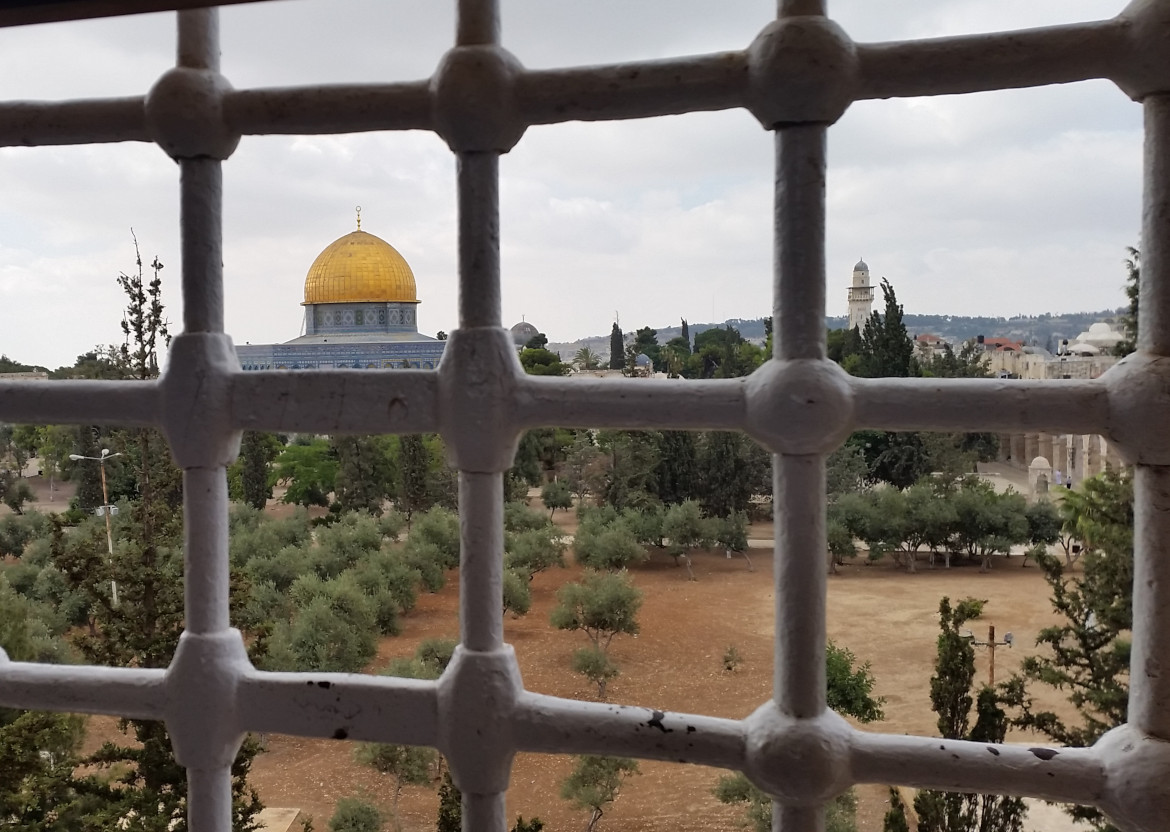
x=885 y=616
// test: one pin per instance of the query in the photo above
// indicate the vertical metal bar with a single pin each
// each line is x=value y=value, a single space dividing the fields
x=201 y=192
x=201 y=236
x=479 y=240
x=198 y=45
x=205 y=549
x=798 y=314
x=485 y=812
x=1154 y=309
x=799 y=580
x=481 y=566
x=793 y=8
x=478 y=22
x=209 y=800
x=797 y=818
x=1149 y=695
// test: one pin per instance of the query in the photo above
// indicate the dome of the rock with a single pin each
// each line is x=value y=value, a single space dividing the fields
x=360 y=268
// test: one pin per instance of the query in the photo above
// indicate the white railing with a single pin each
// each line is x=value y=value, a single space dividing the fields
x=796 y=78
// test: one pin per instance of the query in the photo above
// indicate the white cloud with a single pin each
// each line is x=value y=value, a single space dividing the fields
x=996 y=203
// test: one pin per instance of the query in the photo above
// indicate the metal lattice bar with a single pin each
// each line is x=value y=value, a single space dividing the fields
x=796 y=78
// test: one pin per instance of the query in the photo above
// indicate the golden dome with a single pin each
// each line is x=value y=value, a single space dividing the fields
x=360 y=268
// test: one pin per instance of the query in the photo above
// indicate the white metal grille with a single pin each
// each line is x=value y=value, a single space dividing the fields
x=797 y=78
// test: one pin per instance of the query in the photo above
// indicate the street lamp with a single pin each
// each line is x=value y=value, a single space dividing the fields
x=991 y=644
x=101 y=461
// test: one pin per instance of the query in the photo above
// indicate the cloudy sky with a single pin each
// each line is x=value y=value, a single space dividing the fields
x=989 y=204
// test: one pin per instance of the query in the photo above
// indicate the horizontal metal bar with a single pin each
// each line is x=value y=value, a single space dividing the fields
x=673 y=404
x=340 y=706
x=131 y=403
x=983 y=62
x=554 y=725
x=136 y=693
x=340 y=108
x=641 y=89
x=39 y=123
x=1070 y=775
x=952 y=404
x=343 y=401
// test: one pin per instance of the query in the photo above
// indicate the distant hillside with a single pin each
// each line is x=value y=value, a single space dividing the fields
x=1041 y=330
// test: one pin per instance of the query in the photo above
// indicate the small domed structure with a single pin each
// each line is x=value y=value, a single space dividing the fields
x=523 y=332
x=861 y=267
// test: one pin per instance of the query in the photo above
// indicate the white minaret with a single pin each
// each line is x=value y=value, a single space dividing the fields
x=860 y=296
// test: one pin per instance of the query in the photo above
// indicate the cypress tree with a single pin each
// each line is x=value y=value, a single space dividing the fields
x=950 y=697
x=450 y=806
x=413 y=463
x=686 y=332
x=617 y=349
x=87 y=474
x=363 y=474
x=886 y=349
x=257 y=452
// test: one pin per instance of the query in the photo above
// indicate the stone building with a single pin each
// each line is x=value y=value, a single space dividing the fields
x=361 y=311
x=860 y=296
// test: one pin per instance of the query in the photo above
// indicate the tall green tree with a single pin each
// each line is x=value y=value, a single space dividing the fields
x=38 y=751
x=676 y=476
x=617 y=348
x=646 y=343
x=726 y=478
x=1088 y=651
x=951 y=699
x=886 y=349
x=1129 y=321
x=365 y=475
x=308 y=467
x=413 y=467
x=54 y=444
x=258 y=451
x=144 y=629
x=631 y=459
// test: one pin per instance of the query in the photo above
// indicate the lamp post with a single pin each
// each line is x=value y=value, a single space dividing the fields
x=101 y=461
x=990 y=644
